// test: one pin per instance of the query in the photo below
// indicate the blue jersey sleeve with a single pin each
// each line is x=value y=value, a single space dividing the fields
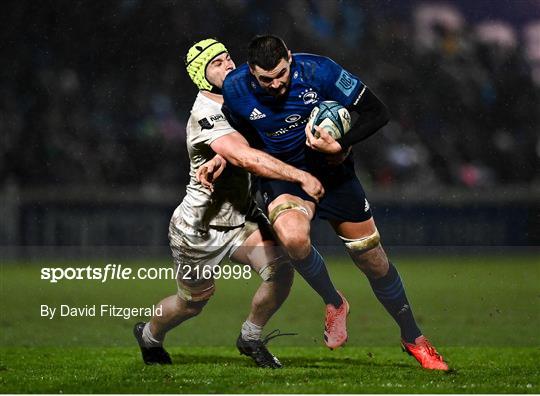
x=338 y=84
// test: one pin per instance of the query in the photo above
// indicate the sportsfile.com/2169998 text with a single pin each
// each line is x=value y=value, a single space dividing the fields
x=121 y=272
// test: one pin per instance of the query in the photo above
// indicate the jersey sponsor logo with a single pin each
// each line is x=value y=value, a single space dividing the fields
x=217 y=117
x=293 y=118
x=290 y=127
x=309 y=96
x=279 y=132
x=256 y=114
x=346 y=82
x=205 y=124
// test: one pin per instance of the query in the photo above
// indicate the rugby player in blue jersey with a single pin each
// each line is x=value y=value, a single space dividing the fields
x=269 y=100
x=223 y=220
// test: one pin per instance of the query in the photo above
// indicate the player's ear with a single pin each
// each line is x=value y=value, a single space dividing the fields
x=290 y=56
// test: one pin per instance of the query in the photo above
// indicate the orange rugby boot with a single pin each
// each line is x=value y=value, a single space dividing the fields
x=335 y=325
x=425 y=354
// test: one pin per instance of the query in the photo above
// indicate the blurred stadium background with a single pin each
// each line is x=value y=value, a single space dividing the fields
x=94 y=102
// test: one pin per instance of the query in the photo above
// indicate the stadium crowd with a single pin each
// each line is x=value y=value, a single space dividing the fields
x=96 y=93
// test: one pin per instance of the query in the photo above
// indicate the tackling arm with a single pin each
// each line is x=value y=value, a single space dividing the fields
x=236 y=150
x=210 y=171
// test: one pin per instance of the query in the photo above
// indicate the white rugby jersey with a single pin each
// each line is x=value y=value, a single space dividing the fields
x=228 y=205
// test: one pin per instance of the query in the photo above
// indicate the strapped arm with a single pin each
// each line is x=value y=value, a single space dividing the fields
x=369 y=115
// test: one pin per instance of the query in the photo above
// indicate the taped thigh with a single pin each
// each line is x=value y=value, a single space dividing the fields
x=285 y=207
x=364 y=244
x=199 y=291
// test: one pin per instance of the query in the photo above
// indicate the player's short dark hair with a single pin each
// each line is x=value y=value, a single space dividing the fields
x=266 y=51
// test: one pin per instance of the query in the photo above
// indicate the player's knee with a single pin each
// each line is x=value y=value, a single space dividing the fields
x=184 y=309
x=193 y=308
x=297 y=246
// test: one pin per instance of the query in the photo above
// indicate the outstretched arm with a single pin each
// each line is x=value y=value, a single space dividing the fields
x=236 y=150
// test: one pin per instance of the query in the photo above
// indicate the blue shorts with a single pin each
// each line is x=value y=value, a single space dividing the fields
x=344 y=198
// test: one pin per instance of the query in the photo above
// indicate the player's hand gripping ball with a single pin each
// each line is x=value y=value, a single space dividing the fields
x=331 y=116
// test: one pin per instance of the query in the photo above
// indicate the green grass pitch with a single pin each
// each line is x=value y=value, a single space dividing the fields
x=481 y=311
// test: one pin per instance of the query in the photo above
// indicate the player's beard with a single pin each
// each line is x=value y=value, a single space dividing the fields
x=281 y=92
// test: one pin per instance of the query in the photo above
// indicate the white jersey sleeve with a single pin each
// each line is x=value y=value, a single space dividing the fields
x=231 y=200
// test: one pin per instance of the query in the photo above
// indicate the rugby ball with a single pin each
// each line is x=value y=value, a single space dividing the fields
x=331 y=116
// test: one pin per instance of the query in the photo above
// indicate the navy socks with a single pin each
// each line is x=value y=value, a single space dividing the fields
x=390 y=292
x=313 y=270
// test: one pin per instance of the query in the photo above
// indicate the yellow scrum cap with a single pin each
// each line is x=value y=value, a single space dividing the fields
x=198 y=57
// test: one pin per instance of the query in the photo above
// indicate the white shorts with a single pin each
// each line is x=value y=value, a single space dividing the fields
x=195 y=253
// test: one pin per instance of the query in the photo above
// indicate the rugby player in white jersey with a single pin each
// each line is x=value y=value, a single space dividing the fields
x=218 y=221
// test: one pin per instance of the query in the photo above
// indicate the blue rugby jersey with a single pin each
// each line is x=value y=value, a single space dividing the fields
x=280 y=122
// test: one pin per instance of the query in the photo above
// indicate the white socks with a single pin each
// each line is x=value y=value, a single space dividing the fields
x=251 y=331
x=148 y=338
